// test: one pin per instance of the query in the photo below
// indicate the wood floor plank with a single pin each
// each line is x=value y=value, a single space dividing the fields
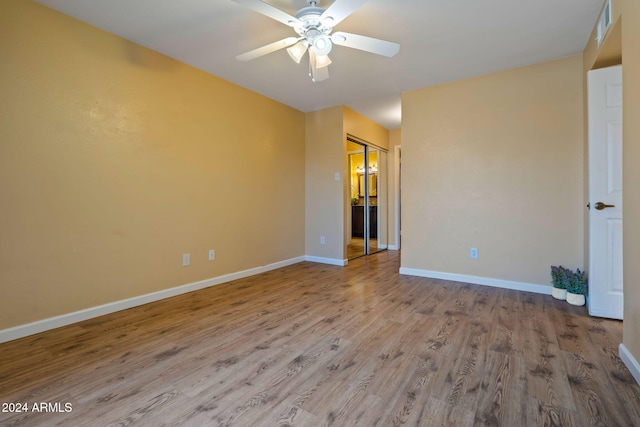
x=545 y=414
x=504 y=378
x=545 y=366
x=284 y=382
x=312 y=344
x=591 y=407
x=438 y=413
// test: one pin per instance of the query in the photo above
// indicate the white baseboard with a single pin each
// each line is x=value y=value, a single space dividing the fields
x=89 y=313
x=630 y=362
x=476 y=280
x=393 y=247
x=331 y=261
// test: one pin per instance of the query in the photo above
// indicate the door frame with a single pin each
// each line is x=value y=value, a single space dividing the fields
x=397 y=189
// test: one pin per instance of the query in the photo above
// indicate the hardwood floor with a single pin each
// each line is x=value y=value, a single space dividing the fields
x=356 y=248
x=314 y=344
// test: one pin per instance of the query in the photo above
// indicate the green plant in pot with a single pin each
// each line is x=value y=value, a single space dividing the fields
x=577 y=287
x=560 y=282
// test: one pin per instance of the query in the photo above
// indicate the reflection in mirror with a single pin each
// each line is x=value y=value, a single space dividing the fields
x=356 y=237
x=367 y=226
x=377 y=202
x=373 y=185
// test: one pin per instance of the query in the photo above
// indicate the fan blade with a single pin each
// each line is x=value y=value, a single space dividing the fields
x=264 y=50
x=340 y=9
x=270 y=11
x=317 y=74
x=368 y=44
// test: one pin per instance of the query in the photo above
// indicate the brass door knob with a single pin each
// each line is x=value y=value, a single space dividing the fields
x=599 y=206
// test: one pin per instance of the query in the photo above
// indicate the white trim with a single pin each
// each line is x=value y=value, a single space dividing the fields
x=322 y=260
x=396 y=195
x=476 y=280
x=393 y=248
x=630 y=361
x=89 y=313
x=600 y=313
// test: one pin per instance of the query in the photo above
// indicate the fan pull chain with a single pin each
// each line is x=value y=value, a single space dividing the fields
x=311 y=69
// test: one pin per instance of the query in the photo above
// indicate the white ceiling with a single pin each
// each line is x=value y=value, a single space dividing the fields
x=441 y=41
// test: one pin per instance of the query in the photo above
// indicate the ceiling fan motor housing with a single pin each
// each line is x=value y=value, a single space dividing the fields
x=315 y=30
x=310 y=18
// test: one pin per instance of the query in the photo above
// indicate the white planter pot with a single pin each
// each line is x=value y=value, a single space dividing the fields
x=575 y=299
x=558 y=293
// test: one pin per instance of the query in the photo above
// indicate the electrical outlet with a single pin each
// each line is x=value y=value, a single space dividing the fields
x=186 y=260
x=473 y=253
x=212 y=254
x=322 y=240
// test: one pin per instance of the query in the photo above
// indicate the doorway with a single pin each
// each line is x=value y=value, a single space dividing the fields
x=367 y=211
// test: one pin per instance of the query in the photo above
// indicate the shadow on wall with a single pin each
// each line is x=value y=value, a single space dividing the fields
x=147 y=58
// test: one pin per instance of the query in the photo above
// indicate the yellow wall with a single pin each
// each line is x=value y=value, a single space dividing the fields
x=324 y=195
x=357 y=125
x=354 y=160
x=626 y=18
x=495 y=162
x=395 y=139
x=115 y=160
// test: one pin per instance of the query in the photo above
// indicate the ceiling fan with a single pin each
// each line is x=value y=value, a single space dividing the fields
x=314 y=25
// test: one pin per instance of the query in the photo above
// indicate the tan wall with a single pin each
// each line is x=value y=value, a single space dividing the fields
x=115 y=160
x=394 y=141
x=626 y=18
x=325 y=153
x=495 y=162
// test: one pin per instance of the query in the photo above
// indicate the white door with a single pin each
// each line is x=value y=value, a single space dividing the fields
x=605 y=192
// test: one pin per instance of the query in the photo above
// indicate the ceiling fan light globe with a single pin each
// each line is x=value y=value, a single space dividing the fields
x=322 y=45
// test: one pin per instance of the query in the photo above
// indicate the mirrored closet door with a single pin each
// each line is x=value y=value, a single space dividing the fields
x=368 y=211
